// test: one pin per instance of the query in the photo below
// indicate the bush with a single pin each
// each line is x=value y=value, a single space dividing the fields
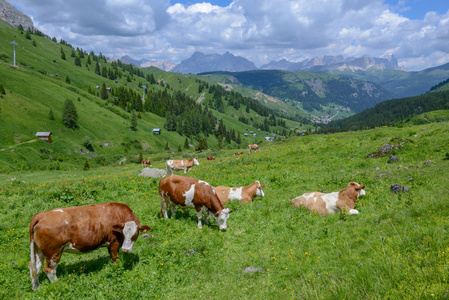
x=88 y=144
x=86 y=166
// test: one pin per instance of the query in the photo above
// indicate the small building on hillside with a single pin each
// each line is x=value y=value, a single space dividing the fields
x=269 y=138
x=157 y=131
x=44 y=136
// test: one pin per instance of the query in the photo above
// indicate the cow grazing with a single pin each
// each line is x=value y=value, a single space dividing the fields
x=236 y=153
x=244 y=194
x=210 y=157
x=241 y=152
x=184 y=164
x=192 y=193
x=342 y=201
x=146 y=162
x=253 y=147
x=80 y=229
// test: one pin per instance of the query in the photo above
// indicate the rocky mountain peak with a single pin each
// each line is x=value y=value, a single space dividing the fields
x=13 y=16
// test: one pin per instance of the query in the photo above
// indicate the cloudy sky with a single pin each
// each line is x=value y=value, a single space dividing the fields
x=416 y=31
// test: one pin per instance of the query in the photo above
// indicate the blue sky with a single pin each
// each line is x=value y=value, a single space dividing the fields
x=416 y=9
x=416 y=32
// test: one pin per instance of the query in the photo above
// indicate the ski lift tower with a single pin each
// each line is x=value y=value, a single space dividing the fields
x=144 y=88
x=14 y=46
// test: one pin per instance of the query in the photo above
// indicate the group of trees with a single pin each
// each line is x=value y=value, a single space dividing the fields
x=391 y=111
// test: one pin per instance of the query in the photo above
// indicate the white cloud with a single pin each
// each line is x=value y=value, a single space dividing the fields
x=260 y=30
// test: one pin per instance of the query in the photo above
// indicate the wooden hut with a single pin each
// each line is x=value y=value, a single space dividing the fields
x=157 y=131
x=44 y=136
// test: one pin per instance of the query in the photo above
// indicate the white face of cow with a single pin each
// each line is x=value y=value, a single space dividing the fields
x=195 y=162
x=129 y=231
x=222 y=218
x=259 y=192
x=360 y=192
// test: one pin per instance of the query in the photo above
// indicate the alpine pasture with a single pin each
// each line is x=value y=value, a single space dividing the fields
x=396 y=248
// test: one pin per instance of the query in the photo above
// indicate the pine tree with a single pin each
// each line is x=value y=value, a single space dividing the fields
x=51 y=116
x=2 y=89
x=186 y=144
x=69 y=114
x=62 y=54
x=77 y=61
x=179 y=148
x=103 y=92
x=97 y=68
x=133 y=120
x=86 y=165
x=167 y=147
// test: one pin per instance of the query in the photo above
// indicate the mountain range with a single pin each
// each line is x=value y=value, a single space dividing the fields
x=202 y=63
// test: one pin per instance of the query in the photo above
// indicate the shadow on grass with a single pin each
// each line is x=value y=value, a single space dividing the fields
x=128 y=260
x=189 y=215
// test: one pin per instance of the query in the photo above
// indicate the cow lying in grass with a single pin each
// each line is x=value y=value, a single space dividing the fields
x=243 y=194
x=80 y=229
x=342 y=201
x=193 y=193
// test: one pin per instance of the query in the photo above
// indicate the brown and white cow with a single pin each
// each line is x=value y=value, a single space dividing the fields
x=244 y=194
x=183 y=164
x=192 y=193
x=210 y=157
x=253 y=147
x=146 y=162
x=80 y=229
x=331 y=203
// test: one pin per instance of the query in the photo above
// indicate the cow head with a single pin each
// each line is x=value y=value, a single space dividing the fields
x=259 y=191
x=221 y=217
x=195 y=161
x=358 y=187
x=130 y=231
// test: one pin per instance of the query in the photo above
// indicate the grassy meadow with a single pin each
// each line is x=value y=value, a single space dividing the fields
x=396 y=248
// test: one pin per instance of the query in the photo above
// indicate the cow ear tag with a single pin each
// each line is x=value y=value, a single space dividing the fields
x=144 y=228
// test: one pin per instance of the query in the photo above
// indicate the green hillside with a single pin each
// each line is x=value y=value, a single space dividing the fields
x=42 y=81
x=316 y=93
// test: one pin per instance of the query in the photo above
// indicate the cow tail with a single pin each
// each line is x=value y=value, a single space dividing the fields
x=32 y=266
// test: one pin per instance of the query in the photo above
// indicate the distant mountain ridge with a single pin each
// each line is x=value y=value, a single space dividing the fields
x=13 y=16
x=227 y=62
x=165 y=65
x=329 y=63
x=200 y=63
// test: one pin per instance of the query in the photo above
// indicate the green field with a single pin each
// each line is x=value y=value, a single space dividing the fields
x=396 y=248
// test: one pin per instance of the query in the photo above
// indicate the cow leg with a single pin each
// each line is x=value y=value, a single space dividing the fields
x=50 y=266
x=205 y=215
x=164 y=206
x=172 y=209
x=199 y=214
x=37 y=258
x=113 y=250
